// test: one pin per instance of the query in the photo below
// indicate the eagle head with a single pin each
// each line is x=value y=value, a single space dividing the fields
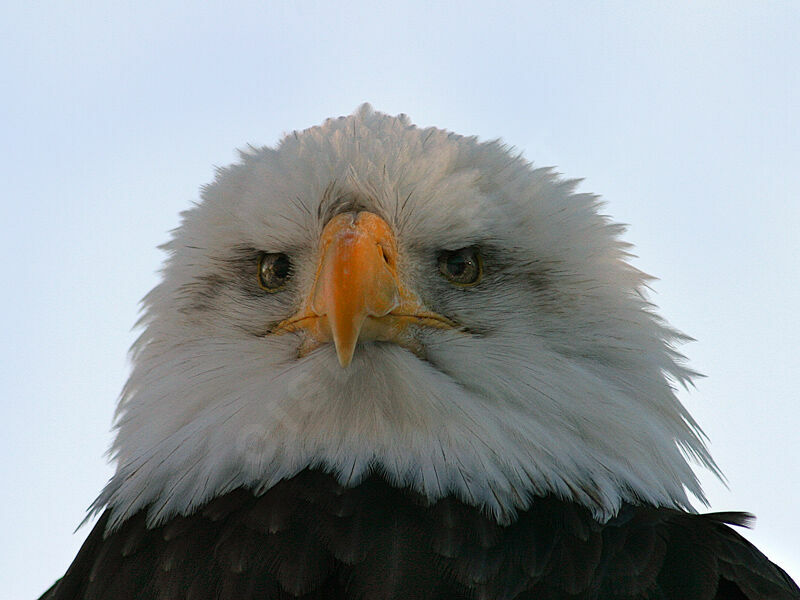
x=373 y=297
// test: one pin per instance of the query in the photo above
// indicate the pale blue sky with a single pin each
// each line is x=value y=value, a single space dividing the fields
x=683 y=116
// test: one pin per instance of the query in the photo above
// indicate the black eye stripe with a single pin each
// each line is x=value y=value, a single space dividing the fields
x=274 y=270
x=462 y=267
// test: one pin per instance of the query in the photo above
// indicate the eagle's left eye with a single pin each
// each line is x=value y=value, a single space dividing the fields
x=462 y=267
x=274 y=270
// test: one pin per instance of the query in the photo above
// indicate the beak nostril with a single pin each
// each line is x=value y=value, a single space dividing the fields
x=385 y=255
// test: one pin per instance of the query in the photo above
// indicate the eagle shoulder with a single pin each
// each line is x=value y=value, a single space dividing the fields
x=310 y=537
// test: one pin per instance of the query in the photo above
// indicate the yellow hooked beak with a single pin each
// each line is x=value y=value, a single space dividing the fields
x=357 y=294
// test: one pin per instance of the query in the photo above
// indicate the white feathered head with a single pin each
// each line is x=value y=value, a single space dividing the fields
x=374 y=297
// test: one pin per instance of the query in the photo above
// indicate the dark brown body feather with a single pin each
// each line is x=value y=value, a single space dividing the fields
x=309 y=537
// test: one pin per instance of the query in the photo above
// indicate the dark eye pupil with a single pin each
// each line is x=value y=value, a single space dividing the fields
x=280 y=266
x=456 y=264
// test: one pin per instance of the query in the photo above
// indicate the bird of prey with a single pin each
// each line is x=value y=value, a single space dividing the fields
x=392 y=362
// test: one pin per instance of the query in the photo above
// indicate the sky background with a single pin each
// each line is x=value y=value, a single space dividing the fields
x=683 y=116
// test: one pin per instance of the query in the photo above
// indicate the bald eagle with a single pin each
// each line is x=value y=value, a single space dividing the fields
x=392 y=362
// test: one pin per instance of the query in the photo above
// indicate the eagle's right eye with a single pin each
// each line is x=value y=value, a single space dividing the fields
x=274 y=270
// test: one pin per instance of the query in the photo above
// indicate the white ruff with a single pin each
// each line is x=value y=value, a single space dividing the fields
x=563 y=386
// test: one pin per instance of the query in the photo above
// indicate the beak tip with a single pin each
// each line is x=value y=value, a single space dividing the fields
x=344 y=361
x=345 y=354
